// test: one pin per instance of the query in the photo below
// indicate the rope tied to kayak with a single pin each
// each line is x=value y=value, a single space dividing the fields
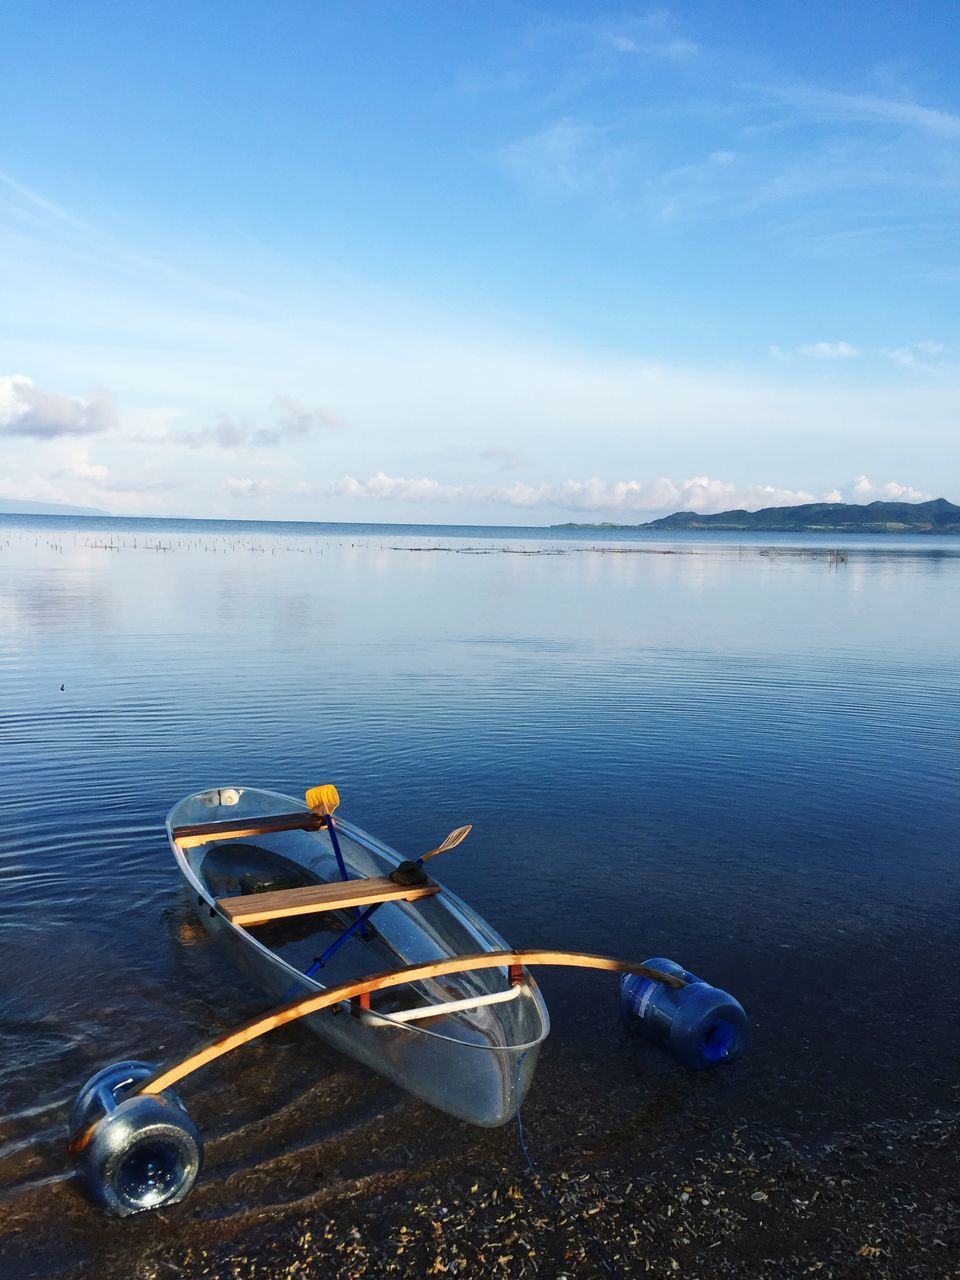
x=586 y=1234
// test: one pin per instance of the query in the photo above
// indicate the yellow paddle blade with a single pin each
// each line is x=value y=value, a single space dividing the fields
x=451 y=842
x=323 y=800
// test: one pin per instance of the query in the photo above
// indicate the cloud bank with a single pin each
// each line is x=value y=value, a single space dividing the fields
x=863 y=490
x=61 y=470
x=700 y=493
x=28 y=410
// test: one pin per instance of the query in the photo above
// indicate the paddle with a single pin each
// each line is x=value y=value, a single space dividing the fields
x=323 y=800
x=412 y=872
x=407 y=873
x=451 y=842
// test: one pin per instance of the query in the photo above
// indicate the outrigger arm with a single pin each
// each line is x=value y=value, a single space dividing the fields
x=359 y=991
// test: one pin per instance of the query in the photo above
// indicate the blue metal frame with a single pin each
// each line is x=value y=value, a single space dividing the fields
x=341 y=938
x=336 y=848
x=351 y=929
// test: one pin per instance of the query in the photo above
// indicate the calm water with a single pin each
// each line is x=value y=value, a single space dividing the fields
x=727 y=751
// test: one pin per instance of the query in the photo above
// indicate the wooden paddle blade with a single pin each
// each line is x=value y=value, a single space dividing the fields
x=323 y=800
x=451 y=842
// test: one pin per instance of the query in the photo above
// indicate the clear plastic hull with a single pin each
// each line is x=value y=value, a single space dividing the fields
x=475 y=1064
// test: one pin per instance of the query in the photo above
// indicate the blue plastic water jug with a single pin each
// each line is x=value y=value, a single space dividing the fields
x=698 y=1025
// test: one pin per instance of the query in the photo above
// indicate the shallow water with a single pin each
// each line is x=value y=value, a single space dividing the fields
x=731 y=752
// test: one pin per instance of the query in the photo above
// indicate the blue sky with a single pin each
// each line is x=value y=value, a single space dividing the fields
x=478 y=262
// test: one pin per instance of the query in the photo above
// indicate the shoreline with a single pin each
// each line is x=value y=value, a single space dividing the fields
x=695 y=1201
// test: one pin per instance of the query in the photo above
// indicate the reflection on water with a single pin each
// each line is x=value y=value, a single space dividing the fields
x=735 y=753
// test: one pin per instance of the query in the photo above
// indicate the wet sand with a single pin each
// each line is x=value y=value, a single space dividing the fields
x=346 y=1177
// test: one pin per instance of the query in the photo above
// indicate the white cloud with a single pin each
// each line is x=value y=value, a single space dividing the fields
x=916 y=355
x=698 y=185
x=565 y=158
x=36 y=201
x=508 y=459
x=28 y=410
x=829 y=350
x=909 y=356
x=701 y=493
x=870 y=109
x=62 y=470
x=904 y=356
x=676 y=50
x=864 y=490
x=295 y=419
x=559 y=58
x=292 y=421
x=930 y=348
x=389 y=488
x=832 y=148
x=77 y=465
x=246 y=487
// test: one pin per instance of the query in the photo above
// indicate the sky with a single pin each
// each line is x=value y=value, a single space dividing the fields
x=464 y=262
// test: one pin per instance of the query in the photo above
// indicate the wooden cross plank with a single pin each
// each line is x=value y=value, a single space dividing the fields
x=201 y=832
x=256 y=908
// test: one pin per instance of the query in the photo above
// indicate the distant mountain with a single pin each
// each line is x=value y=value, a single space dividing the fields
x=17 y=507
x=936 y=516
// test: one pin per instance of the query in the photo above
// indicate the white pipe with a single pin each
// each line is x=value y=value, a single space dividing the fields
x=449 y=1006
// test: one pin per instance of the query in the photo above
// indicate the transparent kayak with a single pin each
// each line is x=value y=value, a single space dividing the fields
x=474 y=1062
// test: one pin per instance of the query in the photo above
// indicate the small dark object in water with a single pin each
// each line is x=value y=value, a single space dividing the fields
x=409 y=873
x=61 y=688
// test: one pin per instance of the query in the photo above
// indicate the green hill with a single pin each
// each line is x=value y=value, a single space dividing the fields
x=936 y=516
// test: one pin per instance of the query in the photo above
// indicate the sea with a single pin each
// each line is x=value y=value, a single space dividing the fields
x=736 y=751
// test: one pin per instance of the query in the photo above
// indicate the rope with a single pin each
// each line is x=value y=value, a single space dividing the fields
x=585 y=1232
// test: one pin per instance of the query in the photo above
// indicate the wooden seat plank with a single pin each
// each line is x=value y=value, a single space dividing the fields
x=257 y=908
x=201 y=832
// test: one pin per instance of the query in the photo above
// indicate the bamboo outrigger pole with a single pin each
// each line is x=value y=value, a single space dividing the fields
x=361 y=988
